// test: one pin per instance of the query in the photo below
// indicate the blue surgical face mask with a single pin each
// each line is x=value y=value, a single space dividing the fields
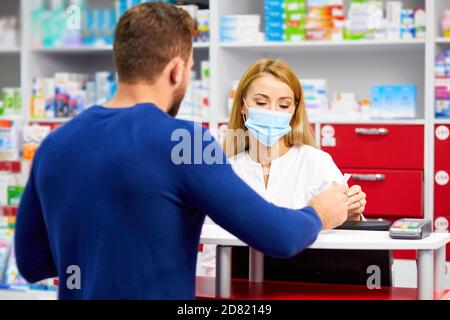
x=266 y=125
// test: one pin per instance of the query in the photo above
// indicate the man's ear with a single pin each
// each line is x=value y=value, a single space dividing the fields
x=176 y=72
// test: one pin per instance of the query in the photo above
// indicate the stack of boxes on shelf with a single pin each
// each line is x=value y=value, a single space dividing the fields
x=71 y=23
x=10 y=277
x=394 y=101
x=386 y=102
x=299 y=20
x=9 y=32
x=284 y=20
x=195 y=105
x=442 y=85
x=66 y=94
x=201 y=16
x=240 y=28
x=445 y=24
x=325 y=20
x=316 y=97
x=10 y=101
x=367 y=19
x=10 y=107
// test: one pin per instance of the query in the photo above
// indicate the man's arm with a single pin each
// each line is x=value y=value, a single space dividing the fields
x=33 y=253
x=232 y=204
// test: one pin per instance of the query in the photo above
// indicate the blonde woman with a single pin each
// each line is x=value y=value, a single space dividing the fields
x=271 y=146
x=278 y=157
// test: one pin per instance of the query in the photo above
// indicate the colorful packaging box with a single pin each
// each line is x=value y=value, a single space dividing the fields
x=442 y=96
x=394 y=101
x=14 y=195
x=285 y=20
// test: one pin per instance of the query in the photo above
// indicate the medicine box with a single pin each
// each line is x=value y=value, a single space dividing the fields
x=394 y=101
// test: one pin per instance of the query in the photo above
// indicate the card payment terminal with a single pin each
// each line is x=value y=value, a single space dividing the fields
x=410 y=229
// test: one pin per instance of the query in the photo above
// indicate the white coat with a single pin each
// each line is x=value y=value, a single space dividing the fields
x=295 y=177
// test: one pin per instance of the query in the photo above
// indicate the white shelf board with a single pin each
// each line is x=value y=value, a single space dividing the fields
x=9 y=50
x=443 y=40
x=370 y=121
x=361 y=121
x=344 y=45
x=95 y=49
x=49 y=120
x=200 y=45
x=74 y=49
x=11 y=117
x=442 y=121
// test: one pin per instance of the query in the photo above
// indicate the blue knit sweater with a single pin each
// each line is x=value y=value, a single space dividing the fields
x=109 y=209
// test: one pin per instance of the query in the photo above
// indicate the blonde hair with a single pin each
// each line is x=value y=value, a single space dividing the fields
x=301 y=133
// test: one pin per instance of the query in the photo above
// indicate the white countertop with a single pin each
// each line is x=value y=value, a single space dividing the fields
x=338 y=239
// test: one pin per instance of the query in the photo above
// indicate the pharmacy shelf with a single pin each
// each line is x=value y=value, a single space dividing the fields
x=443 y=40
x=345 y=45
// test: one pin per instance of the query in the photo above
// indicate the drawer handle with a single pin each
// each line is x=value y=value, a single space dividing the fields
x=369 y=177
x=372 y=131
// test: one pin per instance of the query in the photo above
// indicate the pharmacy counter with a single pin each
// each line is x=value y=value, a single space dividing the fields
x=431 y=254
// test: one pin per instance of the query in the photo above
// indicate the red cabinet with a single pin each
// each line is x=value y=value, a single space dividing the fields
x=390 y=193
x=374 y=146
x=441 y=191
x=442 y=181
x=442 y=146
x=442 y=170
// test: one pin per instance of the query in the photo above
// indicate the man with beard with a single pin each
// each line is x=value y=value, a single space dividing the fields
x=108 y=210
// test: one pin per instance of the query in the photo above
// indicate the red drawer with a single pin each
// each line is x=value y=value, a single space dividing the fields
x=374 y=146
x=441 y=192
x=390 y=193
x=442 y=146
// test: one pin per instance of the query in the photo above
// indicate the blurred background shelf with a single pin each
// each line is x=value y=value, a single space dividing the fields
x=74 y=49
x=49 y=120
x=443 y=40
x=94 y=49
x=442 y=121
x=9 y=50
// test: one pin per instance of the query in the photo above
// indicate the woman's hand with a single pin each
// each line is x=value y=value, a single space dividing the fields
x=356 y=203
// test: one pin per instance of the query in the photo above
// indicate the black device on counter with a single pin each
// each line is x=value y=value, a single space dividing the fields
x=371 y=225
x=324 y=265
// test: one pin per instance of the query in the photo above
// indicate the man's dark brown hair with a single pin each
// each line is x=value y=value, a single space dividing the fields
x=147 y=37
